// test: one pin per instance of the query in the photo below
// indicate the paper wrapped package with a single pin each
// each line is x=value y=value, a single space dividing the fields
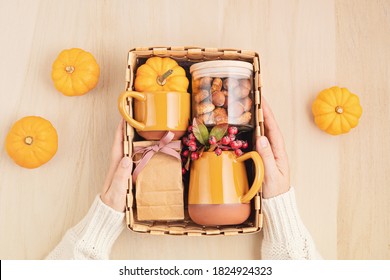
x=159 y=186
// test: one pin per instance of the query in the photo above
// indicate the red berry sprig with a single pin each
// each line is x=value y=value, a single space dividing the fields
x=233 y=130
x=238 y=152
x=212 y=140
x=218 y=151
x=225 y=140
x=194 y=155
x=218 y=140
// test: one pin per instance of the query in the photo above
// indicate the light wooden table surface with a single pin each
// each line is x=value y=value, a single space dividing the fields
x=342 y=183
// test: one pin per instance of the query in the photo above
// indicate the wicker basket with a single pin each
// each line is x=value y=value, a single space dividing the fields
x=186 y=56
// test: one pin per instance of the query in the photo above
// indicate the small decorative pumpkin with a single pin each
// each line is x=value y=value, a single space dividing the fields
x=336 y=110
x=31 y=142
x=75 y=72
x=161 y=74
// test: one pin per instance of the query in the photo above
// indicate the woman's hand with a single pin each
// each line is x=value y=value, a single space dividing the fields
x=115 y=186
x=272 y=150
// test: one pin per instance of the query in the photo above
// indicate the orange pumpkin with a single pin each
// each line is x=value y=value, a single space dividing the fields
x=75 y=72
x=31 y=142
x=161 y=74
x=336 y=110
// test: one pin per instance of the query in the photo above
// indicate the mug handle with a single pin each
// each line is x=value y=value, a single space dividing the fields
x=259 y=174
x=122 y=107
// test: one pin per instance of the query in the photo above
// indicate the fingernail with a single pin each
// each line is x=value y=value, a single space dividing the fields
x=263 y=141
x=125 y=162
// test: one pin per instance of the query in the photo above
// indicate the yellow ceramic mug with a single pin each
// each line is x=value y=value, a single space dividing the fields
x=157 y=112
x=219 y=192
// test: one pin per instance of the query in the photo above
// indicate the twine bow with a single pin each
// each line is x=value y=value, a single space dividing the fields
x=164 y=146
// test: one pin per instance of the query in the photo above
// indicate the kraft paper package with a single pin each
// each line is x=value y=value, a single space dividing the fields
x=159 y=186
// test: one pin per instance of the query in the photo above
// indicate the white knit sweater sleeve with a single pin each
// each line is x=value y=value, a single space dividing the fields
x=285 y=236
x=93 y=237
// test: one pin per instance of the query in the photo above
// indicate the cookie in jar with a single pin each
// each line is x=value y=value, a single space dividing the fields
x=222 y=92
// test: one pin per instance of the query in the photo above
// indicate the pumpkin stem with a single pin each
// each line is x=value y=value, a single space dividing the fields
x=69 y=69
x=161 y=80
x=28 y=140
x=339 y=110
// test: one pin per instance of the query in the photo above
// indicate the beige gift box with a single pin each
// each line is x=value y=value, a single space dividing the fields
x=159 y=187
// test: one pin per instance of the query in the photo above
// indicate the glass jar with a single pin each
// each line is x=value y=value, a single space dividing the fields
x=222 y=92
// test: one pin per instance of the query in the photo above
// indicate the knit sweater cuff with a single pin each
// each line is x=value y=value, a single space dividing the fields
x=99 y=229
x=282 y=220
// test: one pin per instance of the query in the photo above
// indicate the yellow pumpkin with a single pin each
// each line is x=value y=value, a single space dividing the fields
x=161 y=74
x=75 y=72
x=31 y=142
x=336 y=110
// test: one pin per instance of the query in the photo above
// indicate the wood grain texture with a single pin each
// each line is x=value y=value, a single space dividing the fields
x=342 y=183
x=363 y=66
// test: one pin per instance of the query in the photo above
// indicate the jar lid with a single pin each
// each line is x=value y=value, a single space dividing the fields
x=218 y=68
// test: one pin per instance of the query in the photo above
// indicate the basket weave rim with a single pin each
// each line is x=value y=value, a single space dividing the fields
x=193 y=54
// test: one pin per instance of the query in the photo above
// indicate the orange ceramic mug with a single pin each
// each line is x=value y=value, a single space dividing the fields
x=219 y=193
x=155 y=113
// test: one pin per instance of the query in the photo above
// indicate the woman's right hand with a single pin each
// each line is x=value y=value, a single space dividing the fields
x=115 y=186
x=272 y=150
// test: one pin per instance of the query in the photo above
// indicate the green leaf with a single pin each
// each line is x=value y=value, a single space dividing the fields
x=219 y=131
x=201 y=132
